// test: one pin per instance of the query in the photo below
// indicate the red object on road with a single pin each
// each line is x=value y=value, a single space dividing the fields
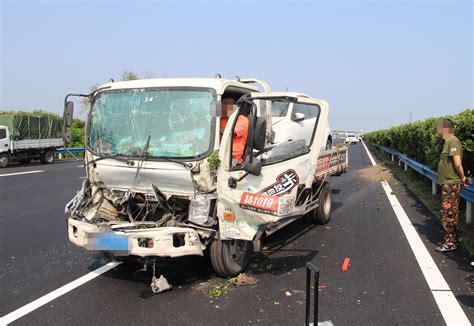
x=345 y=265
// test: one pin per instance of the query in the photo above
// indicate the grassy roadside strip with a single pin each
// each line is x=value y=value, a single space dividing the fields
x=421 y=188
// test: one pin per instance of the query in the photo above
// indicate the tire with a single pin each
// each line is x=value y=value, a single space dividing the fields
x=230 y=257
x=4 y=160
x=322 y=214
x=47 y=157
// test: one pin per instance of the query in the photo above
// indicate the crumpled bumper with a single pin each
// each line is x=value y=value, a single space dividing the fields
x=162 y=242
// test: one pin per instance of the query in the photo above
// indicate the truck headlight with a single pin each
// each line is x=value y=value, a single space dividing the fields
x=199 y=210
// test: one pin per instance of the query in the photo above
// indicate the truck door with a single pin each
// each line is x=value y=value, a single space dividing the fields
x=249 y=201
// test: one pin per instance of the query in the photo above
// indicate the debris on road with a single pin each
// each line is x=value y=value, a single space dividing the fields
x=287 y=293
x=160 y=284
x=244 y=279
x=345 y=265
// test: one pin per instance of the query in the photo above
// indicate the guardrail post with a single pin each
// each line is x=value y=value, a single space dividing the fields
x=399 y=162
x=434 y=188
x=393 y=157
x=469 y=213
x=406 y=166
x=60 y=156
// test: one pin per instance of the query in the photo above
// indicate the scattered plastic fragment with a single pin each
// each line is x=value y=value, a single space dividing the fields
x=287 y=293
x=325 y=323
x=322 y=286
x=159 y=285
x=345 y=265
x=276 y=303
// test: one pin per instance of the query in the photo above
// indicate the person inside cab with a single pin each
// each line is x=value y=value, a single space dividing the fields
x=239 y=139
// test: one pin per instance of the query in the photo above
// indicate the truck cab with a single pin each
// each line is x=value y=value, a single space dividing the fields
x=162 y=179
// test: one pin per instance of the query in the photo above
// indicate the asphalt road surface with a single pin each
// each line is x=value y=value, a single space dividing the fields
x=383 y=285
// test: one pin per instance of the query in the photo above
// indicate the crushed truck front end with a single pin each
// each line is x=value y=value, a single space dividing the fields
x=150 y=189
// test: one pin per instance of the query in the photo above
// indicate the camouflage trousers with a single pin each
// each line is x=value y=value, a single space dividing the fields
x=450 y=211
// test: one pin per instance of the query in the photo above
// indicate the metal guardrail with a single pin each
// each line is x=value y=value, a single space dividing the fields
x=69 y=150
x=466 y=192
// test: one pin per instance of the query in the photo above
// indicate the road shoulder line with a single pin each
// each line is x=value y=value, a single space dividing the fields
x=444 y=298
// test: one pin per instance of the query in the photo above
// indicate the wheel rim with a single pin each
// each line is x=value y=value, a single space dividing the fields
x=327 y=205
x=3 y=160
x=238 y=249
x=49 y=157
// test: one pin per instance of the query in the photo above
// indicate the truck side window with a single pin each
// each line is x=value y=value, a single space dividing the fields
x=3 y=133
x=309 y=111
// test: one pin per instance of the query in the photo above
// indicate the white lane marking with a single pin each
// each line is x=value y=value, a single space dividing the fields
x=20 y=312
x=370 y=155
x=19 y=173
x=82 y=177
x=444 y=297
x=80 y=166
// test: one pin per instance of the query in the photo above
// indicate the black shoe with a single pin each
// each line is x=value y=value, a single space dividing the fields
x=447 y=247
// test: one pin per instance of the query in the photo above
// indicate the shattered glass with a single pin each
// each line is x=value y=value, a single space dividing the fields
x=179 y=122
x=284 y=151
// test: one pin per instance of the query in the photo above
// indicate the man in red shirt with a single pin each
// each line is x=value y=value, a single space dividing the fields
x=240 y=130
x=240 y=139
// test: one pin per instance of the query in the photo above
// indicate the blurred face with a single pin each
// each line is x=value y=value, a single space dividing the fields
x=227 y=107
x=443 y=128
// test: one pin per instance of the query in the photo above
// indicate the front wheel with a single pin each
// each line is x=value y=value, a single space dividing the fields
x=322 y=214
x=4 y=160
x=230 y=257
x=47 y=157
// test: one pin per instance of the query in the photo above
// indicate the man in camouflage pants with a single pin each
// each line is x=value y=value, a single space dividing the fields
x=451 y=176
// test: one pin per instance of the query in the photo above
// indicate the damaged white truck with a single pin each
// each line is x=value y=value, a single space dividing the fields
x=162 y=179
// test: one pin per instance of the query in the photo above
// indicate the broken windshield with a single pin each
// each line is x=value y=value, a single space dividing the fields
x=180 y=122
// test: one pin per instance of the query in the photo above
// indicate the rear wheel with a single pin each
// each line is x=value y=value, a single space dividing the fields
x=230 y=257
x=322 y=214
x=4 y=160
x=47 y=157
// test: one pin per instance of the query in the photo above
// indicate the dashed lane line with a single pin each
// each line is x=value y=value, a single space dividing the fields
x=444 y=297
x=20 y=312
x=19 y=173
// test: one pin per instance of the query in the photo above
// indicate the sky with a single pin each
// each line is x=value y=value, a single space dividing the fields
x=377 y=63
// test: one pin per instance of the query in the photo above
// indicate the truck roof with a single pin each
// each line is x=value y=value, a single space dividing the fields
x=218 y=84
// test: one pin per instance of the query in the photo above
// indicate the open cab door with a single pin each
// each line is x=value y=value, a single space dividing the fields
x=268 y=185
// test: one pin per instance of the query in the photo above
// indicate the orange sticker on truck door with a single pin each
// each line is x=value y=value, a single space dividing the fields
x=259 y=203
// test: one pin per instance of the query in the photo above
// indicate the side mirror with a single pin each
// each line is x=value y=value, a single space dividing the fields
x=254 y=168
x=298 y=117
x=67 y=137
x=68 y=114
x=259 y=134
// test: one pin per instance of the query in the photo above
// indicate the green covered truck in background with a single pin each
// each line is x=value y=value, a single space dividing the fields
x=25 y=137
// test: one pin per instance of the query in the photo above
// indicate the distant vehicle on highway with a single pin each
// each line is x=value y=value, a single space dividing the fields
x=29 y=137
x=351 y=139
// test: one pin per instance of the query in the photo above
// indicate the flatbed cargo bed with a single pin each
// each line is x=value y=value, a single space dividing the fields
x=332 y=162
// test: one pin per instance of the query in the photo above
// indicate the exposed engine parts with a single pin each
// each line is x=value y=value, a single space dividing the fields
x=101 y=206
